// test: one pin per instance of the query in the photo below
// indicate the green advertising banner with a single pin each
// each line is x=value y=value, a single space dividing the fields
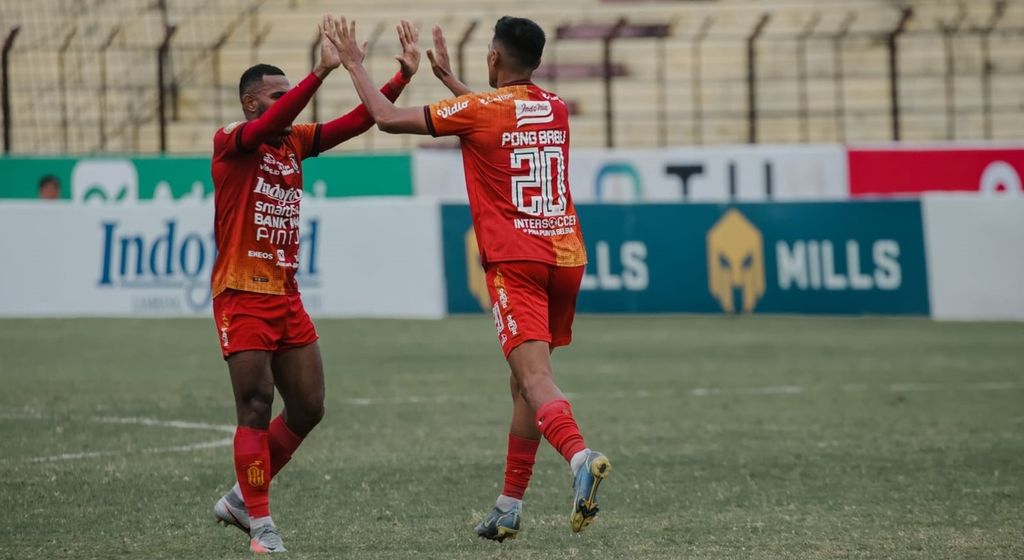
x=115 y=179
x=863 y=257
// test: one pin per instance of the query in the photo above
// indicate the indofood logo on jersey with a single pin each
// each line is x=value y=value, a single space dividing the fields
x=736 y=275
x=168 y=264
x=533 y=112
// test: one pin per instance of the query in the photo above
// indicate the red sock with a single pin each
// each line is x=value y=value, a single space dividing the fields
x=522 y=453
x=283 y=443
x=252 y=466
x=559 y=427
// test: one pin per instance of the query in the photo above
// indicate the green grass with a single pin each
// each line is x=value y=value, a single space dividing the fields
x=731 y=438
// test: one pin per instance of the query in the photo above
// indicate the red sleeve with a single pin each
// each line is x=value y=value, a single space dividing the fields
x=253 y=133
x=358 y=120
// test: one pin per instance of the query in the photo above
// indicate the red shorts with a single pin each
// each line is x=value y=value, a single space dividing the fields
x=533 y=301
x=252 y=321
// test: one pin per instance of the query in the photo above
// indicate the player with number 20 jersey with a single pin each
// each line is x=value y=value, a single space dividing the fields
x=520 y=132
x=515 y=150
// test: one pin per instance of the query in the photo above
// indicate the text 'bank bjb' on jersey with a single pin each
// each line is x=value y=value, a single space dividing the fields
x=257 y=195
x=515 y=150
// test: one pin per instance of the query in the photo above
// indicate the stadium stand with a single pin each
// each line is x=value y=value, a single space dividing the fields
x=83 y=74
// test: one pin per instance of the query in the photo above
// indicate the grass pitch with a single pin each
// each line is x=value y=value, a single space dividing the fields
x=731 y=438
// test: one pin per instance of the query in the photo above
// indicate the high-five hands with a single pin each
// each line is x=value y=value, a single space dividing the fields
x=344 y=39
x=409 y=60
x=329 y=57
x=351 y=53
x=440 y=63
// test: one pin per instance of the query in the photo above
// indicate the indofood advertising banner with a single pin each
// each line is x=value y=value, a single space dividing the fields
x=835 y=258
x=121 y=180
x=744 y=173
x=154 y=260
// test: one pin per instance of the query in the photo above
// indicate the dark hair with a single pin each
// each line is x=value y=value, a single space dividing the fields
x=48 y=179
x=522 y=38
x=255 y=74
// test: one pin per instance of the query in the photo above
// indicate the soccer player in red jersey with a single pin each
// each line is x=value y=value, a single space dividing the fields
x=515 y=143
x=265 y=334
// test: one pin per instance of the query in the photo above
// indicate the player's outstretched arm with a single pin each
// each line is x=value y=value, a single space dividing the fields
x=441 y=64
x=284 y=110
x=358 y=120
x=389 y=118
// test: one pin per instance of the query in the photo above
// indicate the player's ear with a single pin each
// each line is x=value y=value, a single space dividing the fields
x=249 y=103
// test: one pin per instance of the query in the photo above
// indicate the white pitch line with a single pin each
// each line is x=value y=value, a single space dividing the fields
x=20 y=416
x=177 y=424
x=780 y=390
x=172 y=449
x=414 y=399
x=71 y=456
x=180 y=424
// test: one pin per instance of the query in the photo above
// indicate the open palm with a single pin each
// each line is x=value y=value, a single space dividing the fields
x=409 y=60
x=440 y=63
x=329 y=56
x=344 y=40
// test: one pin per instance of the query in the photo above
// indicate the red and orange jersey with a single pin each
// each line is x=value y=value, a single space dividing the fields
x=515 y=151
x=257 y=196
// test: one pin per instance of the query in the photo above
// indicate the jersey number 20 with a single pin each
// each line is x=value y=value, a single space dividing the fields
x=545 y=169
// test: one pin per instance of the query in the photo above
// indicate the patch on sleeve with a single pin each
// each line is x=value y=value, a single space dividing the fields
x=232 y=126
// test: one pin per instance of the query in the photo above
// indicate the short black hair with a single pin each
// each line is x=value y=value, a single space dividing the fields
x=255 y=74
x=522 y=38
x=48 y=179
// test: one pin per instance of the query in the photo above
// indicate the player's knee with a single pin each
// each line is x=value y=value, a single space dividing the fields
x=254 y=413
x=254 y=407
x=514 y=388
x=533 y=380
x=314 y=414
x=305 y=416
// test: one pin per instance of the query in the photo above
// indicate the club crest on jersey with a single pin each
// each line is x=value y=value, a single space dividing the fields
x=254 y=472
x=273 y=166
x=445 y=112
x=533 y=112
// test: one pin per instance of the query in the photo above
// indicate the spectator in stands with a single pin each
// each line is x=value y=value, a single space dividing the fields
x=49 y=187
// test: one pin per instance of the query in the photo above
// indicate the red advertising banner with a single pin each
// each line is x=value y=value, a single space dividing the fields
x=910 y=171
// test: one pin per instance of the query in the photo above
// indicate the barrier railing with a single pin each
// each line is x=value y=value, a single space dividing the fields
x=688 y=107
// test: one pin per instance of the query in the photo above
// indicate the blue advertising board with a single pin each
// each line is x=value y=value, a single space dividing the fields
x=797 y=257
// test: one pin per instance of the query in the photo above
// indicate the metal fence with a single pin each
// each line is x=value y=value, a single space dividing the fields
x=973 y=92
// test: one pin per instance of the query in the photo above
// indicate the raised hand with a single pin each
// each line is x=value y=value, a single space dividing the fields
x=329 y=57
x=344 y=39
x=441 y=64
x=409 y=37
x=439 y=61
